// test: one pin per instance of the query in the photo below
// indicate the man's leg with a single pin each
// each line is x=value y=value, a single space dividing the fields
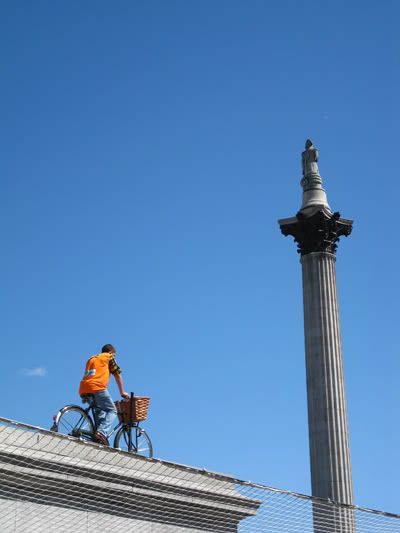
x=105 y=412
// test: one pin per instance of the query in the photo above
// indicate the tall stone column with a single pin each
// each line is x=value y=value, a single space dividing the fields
x=316 y=229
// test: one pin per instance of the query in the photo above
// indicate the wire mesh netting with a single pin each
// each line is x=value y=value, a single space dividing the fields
x=56 y=483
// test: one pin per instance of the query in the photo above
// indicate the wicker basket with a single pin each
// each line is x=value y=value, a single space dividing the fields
x=134 y=408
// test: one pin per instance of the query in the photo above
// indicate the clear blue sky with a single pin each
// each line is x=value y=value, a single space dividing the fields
x=148 y=149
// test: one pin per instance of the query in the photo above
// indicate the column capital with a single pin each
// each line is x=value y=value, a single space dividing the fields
x=316 y=231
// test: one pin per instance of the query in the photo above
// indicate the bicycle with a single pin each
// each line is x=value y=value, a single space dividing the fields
x=75 y=421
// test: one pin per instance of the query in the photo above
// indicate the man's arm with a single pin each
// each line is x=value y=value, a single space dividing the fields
x=118 y=379
x=116 y=372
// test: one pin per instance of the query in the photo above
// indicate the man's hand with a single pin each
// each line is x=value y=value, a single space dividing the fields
x=125 y=395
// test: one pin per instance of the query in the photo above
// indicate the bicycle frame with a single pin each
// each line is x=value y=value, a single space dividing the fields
x=91 y=413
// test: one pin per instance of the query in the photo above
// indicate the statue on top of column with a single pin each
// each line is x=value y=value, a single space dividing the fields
x=309 y=160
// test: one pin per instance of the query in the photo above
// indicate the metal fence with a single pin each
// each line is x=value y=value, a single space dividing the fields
x=53 y=483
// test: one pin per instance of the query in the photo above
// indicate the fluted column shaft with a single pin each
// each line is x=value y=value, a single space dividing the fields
x=327 y=414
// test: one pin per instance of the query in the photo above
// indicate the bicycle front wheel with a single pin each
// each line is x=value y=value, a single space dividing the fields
x=74 y=421
x=140 y=441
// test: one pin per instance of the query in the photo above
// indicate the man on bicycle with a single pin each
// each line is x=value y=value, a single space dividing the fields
x=93 y=388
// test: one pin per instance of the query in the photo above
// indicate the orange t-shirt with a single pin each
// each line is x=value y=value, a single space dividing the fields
x=97 y=373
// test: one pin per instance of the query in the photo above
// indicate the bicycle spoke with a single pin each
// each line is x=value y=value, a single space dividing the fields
x=66 y=425
x=80 y=423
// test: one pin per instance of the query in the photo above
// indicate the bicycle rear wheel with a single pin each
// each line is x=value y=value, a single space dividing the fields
x=140 y=441
x=74 y=421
